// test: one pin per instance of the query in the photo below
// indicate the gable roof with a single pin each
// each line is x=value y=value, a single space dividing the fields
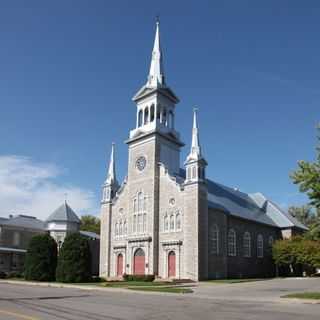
x=64 y=213
x=255 y=207
x=236 y=203
x=24 y=221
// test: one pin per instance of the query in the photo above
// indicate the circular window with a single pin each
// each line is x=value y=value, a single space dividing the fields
x=141 y=163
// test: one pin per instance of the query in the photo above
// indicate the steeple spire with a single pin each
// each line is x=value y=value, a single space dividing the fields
x=195 y=152
x=156 y=73
x=111 y=177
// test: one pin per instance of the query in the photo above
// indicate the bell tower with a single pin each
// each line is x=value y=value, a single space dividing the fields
x=154 y=140
x=155 y=115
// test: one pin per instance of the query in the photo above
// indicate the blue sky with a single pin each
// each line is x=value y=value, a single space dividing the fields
x=70 y=68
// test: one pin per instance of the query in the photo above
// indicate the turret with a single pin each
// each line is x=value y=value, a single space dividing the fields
x=195 y=163
x=110 y=185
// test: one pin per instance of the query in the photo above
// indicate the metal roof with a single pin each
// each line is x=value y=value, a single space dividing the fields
x=24 y=221
x=64 y=213
x=255 y=207
x=236 y=203
x=89 y=234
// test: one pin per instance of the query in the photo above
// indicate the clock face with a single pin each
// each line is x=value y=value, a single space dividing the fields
x=141 y=163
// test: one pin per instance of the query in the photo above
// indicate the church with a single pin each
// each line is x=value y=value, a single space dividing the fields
x=173 y=222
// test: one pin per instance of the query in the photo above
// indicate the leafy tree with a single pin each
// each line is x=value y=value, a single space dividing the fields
x=74 y=262
x=41 y=258
x=90 y=223
x=307 y=176
x=304 y=214
x=297 y=254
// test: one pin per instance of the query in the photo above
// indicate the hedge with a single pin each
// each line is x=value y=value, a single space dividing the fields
x=41 y=258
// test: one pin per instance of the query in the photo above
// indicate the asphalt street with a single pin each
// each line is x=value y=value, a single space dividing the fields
x=256 y=300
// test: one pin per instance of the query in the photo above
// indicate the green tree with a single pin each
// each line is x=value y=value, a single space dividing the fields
x=307 y=176
x=90 y=223
x=305 y=214
x=41 y=259
x=296 y=255
x=74 y=260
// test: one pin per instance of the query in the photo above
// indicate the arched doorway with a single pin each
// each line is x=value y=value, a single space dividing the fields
x=119 y=265
x=139 y=262
x=171 y=264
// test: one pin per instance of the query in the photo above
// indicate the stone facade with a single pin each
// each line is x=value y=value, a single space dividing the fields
x=172 y=222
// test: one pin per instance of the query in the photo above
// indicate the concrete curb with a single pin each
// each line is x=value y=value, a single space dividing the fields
x=88 y=287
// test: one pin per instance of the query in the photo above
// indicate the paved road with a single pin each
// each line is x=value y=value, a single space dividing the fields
x=247 y=301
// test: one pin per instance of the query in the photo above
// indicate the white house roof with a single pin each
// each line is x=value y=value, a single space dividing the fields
x=64 y=213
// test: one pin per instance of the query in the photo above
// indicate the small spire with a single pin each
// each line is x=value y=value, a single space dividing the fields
x=156 y=73
x=195 y=152
x=111 y=177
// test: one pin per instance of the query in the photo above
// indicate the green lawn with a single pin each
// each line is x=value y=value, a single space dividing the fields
x=231 y=281
x=162 y=289
x=304 y=295
x=126 y=284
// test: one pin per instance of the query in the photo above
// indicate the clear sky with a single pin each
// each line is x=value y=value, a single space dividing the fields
x=70 y=68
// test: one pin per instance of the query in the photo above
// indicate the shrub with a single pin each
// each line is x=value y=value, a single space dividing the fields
x=3 y=275
x=296 y=255
x=41 y=259
x=142 y=278
x=74 y=262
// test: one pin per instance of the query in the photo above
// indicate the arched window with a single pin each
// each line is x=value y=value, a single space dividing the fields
x=214 y=233
x=134 y=224
x=125 y=228
x=171 y=120
x=117 y=230
x=189 y=173
x=120 y=229
x=270 y=241
x=152 y=113
x=139 y=229
x=166 y=223
x=140 y=201
x=178 y=221
x=232 y=243
x=194 y=172
x=140 y=118
x=144 y=222
x=260 y=246
x=146 y=115
x=158 y=113
x=172 y=222
x=164 y=117
x=246 y=244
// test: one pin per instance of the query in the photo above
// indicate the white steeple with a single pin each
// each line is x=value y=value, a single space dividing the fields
x=111 y=177
x=156 y=73
x=195 y=151
x=195 y=162
x=110 y=185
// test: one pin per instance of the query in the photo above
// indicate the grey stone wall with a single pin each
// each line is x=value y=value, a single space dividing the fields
x=239 y=266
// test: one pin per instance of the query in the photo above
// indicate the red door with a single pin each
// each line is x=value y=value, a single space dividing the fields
x=139 y=262
x=120 y=265
x=171 y=264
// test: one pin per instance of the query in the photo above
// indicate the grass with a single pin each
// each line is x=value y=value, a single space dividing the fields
x=162 y=289
x=231 y=281
x=126 y=284
x=304 y=295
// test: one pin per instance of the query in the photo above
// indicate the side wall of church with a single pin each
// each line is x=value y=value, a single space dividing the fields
x=217 y=259
x=222 y=265
x=240 y=266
